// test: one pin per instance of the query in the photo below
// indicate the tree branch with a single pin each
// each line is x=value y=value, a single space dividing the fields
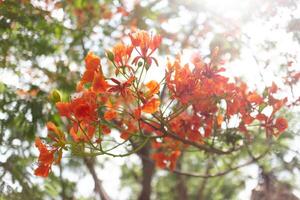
x=90 y=164
x=253 y=160
x=189 y=142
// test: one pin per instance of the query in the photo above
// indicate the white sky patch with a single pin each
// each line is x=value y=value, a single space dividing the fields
x=8 y=77
x=58 y=14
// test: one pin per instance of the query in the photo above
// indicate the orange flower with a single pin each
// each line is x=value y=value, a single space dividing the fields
x=125 y=135
x=42 y=170
x=151 y=106
x=220 y=119
x=122 y=54
x=160 y=159
x=129 y=129
x=137 y=113
x=92 y=62
x=88 y=76
x=274 y=127
x=153 y=87
x=273 y=89
x=105 y=130
x=63 y=109
x=122 y=88
x=84 y=132
x=83 y=107
x=281 y=124
x=173 y=159
x=99 y=84
x=254 y=98
x=111 y=108
x=182 y=82
x=59 y=136
x=52 y=127
x=83 y=110
x=201 y=100
x=145 y=42
x=45 y=160
x=46 y=157
x=110 y=114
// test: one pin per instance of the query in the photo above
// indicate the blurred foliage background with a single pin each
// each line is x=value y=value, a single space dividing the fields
x=42 y=47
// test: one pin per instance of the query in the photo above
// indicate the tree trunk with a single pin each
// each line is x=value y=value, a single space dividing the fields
x=181 y=184
x=148 y=172
x=90 y=163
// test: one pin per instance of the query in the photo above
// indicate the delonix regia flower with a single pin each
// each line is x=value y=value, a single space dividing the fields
x=191 y=103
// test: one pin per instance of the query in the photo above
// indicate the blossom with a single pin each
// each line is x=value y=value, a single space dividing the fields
x=59 y=136
x=281 y=124
x=93 y=67
x=122 y=54
x=127 y=130
x=181 y=82
x=45 y=160
x=99 y=84
x=110 y=114
x=82 y=131
x=153 y=88
x=122 y=88
x=64 y=108
x=92 y=62
x=46 y=156
x=147 y=44
x=82 y=108
x=83 y=112
x=151 y=106
x=162 y=160
x=202 y=103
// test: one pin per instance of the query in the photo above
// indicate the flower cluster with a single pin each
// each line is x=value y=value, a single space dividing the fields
x=190 y=105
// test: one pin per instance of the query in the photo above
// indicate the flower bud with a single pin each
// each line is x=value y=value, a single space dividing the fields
x=110 y=56
x=55 y=96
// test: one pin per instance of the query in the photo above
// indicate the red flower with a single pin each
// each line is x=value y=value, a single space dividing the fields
x=281 y=124
x=46 y=156
x=153 y=88
x=92 y=62
x=59 y=136
x=64 y=109
x=162 y=160
x=83 y=110
x=128 y=130
x=254 y=98
x=110 y=114
x=45 y=160
x=181 y=82
x=145 y=42
x=42 y=170
x=99 y=84
x=122 y=54
x=82 y=131
x=122 y=88
x=151 y=106
x=93 y=66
